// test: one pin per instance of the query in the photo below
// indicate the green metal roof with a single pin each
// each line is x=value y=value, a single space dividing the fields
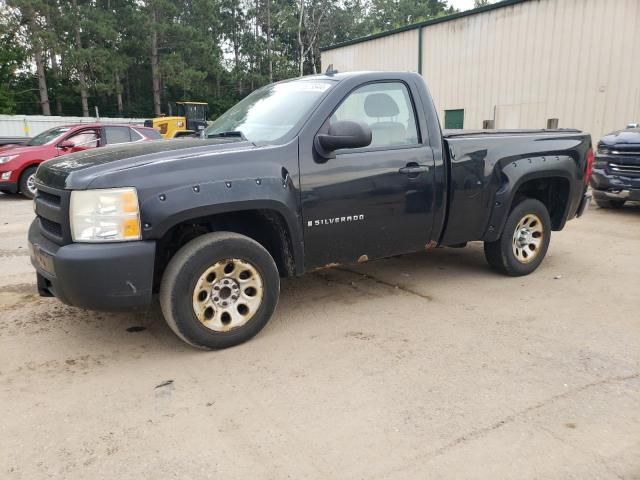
x=414 y=26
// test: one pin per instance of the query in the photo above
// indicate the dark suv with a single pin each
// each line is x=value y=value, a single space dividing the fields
x=616 y=171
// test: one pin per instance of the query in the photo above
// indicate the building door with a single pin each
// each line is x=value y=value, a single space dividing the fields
x=375 y=201
x=454 y=119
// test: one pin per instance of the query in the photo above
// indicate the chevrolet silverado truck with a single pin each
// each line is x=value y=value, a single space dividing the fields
x=300 y=175
x=616 y=169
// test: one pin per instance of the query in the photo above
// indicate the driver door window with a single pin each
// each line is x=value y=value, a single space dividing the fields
x=387 y=109
x=84 y=140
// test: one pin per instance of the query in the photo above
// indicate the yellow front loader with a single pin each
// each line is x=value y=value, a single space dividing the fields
x=190 y=119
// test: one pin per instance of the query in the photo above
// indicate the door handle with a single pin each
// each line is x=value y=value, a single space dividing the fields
x=413 y=170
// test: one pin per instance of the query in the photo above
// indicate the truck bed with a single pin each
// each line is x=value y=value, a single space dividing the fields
x=469 y=133
x=486 y=166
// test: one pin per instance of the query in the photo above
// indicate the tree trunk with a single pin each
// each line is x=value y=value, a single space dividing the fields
x=269 y=41
x=55 y=70
x=236 y=51
x=38 y=57
x=55 y=73
x=42 y=81
x=300 y=44
x=155 y=66
x=84 y=96
x=118 y=93
x=128 y=87
x=256 y=60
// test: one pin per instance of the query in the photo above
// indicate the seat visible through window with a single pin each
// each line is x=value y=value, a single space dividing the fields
x=388 y=131
x=386 y=107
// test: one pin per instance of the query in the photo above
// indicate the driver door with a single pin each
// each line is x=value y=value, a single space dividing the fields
x=375 y=201
x=82 y=140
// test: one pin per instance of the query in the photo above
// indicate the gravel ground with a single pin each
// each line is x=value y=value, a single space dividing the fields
x=422 y=366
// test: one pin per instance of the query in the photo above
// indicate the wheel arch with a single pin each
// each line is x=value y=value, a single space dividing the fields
x=553 y=188
x=25 y=168
x=264 y=222
x=554 y=191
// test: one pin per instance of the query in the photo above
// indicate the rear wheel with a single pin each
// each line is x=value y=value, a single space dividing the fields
x=524 y=240
x=609 y=203
x=27 y=182
x=219 y=290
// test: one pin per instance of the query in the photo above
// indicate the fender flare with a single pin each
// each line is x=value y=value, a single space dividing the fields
x=517 y=173
x=164 y=210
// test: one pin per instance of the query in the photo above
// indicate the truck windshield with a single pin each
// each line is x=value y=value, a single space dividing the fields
x=272 y=112
x=47 y=136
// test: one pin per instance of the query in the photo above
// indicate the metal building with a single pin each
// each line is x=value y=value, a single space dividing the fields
x=518 y=63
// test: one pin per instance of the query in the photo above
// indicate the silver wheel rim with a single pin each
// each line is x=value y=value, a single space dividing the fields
x=527 y=238
x=31 y=183
x=227 y=295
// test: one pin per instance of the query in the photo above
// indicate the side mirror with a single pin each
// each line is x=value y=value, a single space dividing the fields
x=66 y=145
x=342 y=135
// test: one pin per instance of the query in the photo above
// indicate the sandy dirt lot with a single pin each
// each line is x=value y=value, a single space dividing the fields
x=423 y=366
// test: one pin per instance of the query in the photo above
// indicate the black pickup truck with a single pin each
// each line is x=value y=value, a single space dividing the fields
x=300 y=175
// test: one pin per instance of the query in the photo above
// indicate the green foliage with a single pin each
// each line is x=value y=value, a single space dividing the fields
x=208 y=50
x=12 y=57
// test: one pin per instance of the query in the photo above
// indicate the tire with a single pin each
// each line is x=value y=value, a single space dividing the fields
x=609 y=203
x=26 y=180
x=531 y=219
x=195 y=310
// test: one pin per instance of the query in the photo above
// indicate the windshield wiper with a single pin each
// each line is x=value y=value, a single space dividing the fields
x=229 y=134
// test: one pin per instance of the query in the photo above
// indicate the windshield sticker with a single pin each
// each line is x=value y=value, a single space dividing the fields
x=306 y=86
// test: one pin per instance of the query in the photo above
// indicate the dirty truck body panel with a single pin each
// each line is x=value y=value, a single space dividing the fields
x=362 y=204
x=487 y=169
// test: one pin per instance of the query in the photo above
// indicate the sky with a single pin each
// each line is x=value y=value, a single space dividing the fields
x=461 y=4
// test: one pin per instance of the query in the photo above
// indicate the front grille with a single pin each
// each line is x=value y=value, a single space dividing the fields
x=50 y=227
x=625 y=151
x=624 y=169
x=624 y=159
x=52 y=210
x=49 y=198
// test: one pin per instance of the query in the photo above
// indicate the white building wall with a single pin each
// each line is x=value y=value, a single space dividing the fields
x=575 y=60
x=397 y=52
x=31 y=125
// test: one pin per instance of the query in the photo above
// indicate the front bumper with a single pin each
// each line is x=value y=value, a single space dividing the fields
x=105 y=276
x=11 y=187
x=632 y=195
x=615 y=187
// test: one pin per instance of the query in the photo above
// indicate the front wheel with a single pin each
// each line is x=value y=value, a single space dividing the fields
x=524 y=240
x=27 y=182
x=219 y=290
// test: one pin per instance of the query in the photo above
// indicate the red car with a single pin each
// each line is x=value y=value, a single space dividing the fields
x=18 y=163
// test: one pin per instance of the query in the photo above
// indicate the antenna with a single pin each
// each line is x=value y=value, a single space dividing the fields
x=331 y=70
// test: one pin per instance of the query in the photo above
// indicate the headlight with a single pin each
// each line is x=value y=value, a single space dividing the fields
x=109 y=215
x=604 y=151
x=7 y=158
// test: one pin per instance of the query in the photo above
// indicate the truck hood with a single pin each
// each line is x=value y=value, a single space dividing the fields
x=630 y=136
x=78 y=170
x=18 y=149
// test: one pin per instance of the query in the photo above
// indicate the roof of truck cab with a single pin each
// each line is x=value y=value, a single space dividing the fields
x=338 y=76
